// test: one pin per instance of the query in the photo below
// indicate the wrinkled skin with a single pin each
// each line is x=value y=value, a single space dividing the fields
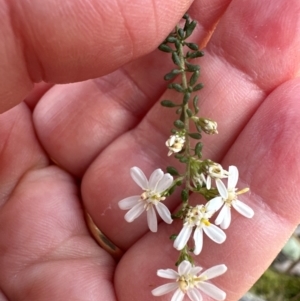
x=97 y=129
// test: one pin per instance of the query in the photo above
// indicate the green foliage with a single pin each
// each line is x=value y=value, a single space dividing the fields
x=273 y=286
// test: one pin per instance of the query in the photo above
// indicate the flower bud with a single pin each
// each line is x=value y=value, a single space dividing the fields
x=175 y=143
x=207 y=125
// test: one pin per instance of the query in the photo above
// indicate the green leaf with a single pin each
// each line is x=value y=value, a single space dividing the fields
x=189 y=112
x=176 y=87
x=183 y=159
x=172 y=74
x=194 y=78
x=171 y=39
x=198 y=149
x=191 y=67
x=173 y=236
x=195 y=54
x=165 y=48
x=179 y=124
x=176 y=59
x=195 y=104
x=184 y=195
x=195 y=135
x=186 y=98
x=190 y=28
x=198 y=87
x=172 y=171
x=192 y=46
x=168 y=103
x=180 y=33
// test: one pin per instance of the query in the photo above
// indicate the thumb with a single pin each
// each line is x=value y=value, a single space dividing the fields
x=74 y=40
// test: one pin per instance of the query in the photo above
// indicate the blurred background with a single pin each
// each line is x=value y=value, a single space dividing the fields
x=281 y=282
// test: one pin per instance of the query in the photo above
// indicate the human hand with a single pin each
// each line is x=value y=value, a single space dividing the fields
x=96 y=130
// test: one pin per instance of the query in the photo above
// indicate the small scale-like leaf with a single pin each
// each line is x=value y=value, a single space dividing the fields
x=165 y=48
x=198 y=87
x=198 y=149
x=190 y=28
x=186 y=98
x=191 y=67
x=173 y=236
x=183 y=159
x=176 y=87
x=184 y=195
x=168 y=103
x=179 y=124
x=194 y=78
x=171 y=39
x=192 y=46
x=176 y=59
x=172 y=74
x=195 y=104
x=195 y=135
x=189 y=112
x=195 y=54
x=181 y=33
x=172 y=171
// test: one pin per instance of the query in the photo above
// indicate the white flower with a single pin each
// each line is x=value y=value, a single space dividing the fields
x=151 y=197
x=215 y=171
x=188 y=282
x=175 y=144
x=229 y=197
x=198 y=218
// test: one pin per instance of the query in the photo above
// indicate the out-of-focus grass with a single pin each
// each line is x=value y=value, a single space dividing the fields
x=273 y=286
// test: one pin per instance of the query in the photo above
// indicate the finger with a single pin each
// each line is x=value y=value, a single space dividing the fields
x=46 y=252
x=266 y=152
x=144 y=146
x=76 y=122
x=76 y=40
x=19 y=150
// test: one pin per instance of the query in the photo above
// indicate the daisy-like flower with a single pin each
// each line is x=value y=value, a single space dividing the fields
x=175 y=144
x=198 y=218
x=229 y=197
x=151 y=198
x=187 y=281
x=214 y=171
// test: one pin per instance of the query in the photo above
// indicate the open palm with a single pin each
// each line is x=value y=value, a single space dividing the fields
x=96 y=130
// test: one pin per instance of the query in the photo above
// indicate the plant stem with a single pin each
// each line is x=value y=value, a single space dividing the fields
x=186 y=120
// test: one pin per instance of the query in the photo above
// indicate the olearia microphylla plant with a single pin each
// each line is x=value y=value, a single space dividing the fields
x=201 y=176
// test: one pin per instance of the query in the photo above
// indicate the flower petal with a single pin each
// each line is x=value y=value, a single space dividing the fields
x=168 y=274
x=243 y=209
x=214 y=204
x=195 y=270
x=151 y=219
x=214 y=271
x=182 y=237
x=134 y=212
x=227 y=218
x=233 y=177
x=164 y=213
x=194 y=295
x=178 y=295
x=198 y=238
x=139 y=177
x=214 y=233
x=155 y=177
x=164 y=183
x=212 y=291
x=129 y=202
x=208 y=183
x=222 y=189
x=221 y=215
x=184 y=267
x=164 y=289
